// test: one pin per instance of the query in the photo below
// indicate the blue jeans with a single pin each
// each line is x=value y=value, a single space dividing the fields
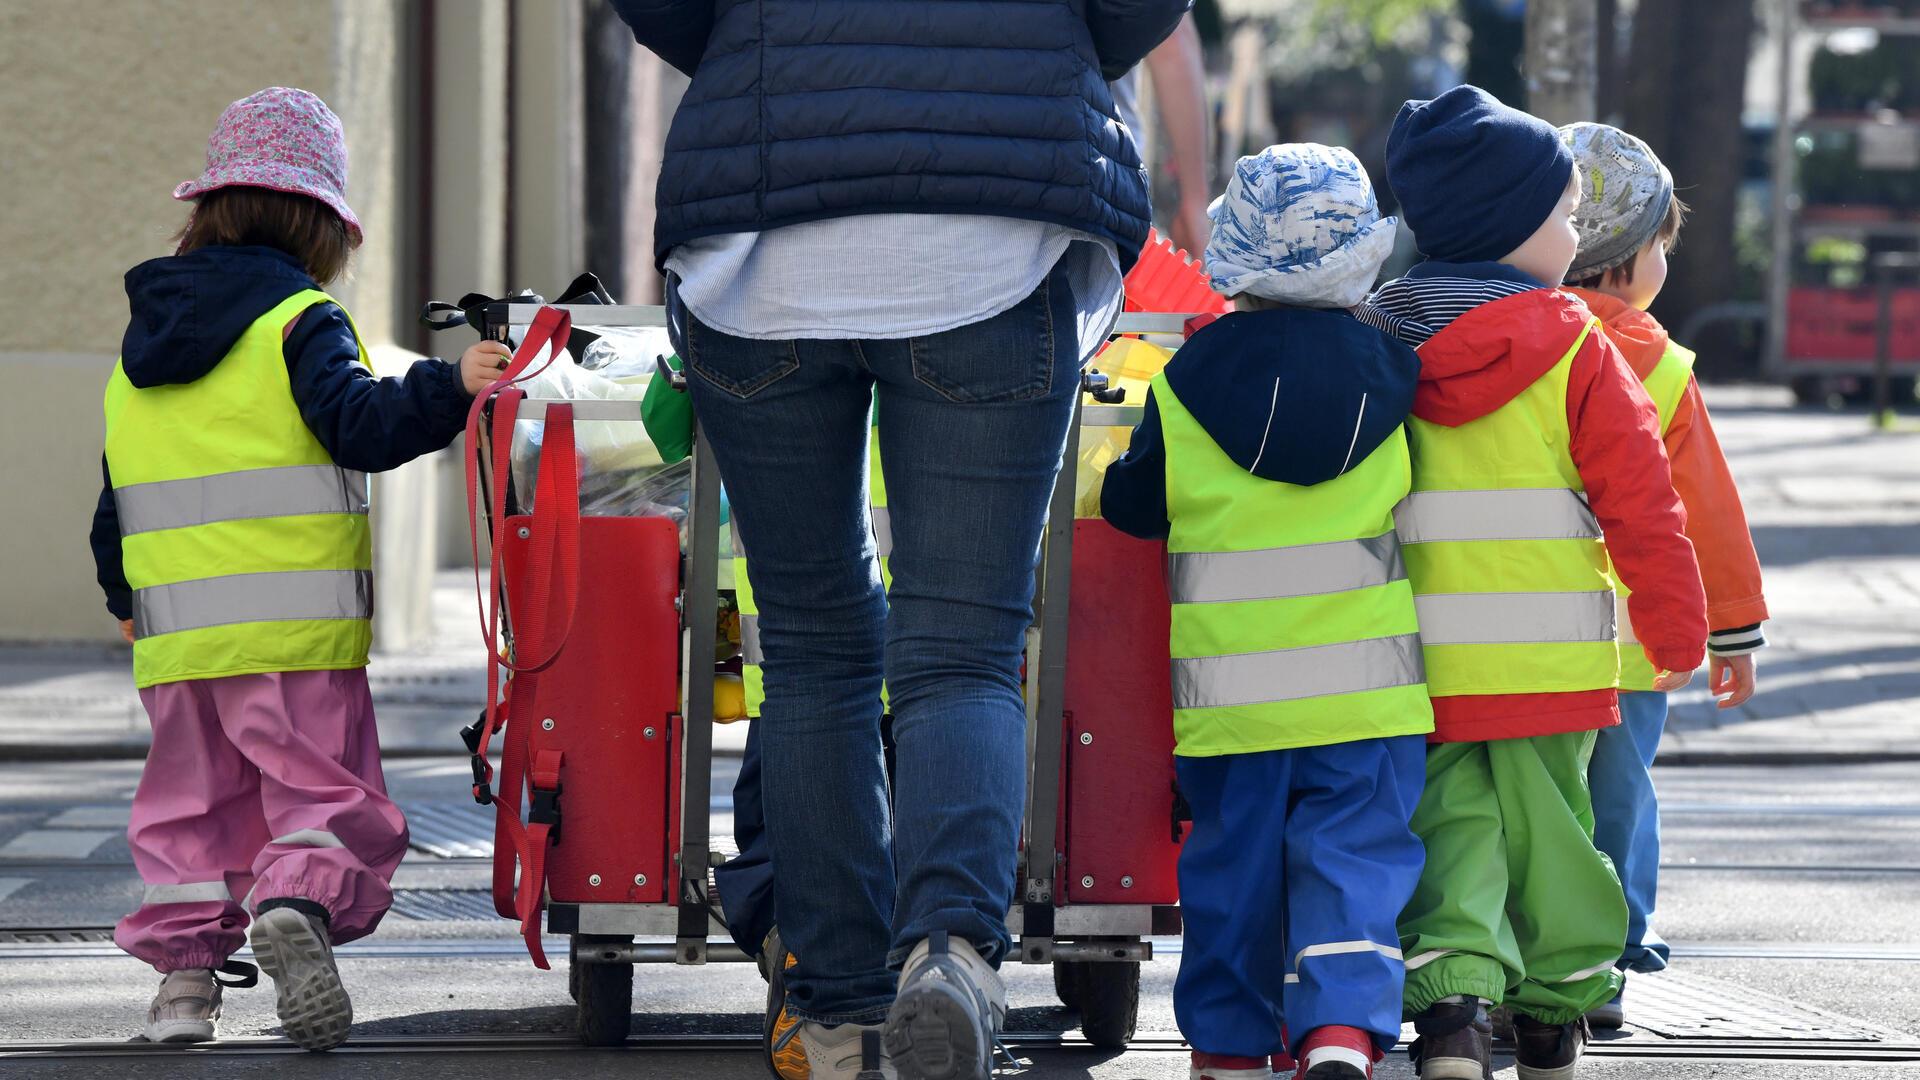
x=972 y=425
x=746 y=880
x=1626 y=817
x=1292 y=881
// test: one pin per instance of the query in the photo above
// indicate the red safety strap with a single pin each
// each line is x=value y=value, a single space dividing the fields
x=541 y=624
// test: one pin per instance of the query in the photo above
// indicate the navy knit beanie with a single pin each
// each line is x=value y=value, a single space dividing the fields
x=1474 y=177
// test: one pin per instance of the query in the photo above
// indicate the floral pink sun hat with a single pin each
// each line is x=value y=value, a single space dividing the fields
x=283 y=139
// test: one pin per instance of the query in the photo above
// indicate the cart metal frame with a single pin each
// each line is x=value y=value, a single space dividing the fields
x=1045 y=933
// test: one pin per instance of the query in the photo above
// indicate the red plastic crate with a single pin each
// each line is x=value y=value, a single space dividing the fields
x=1842 y=324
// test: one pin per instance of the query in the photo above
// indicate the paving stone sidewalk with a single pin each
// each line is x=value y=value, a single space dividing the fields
x=1835 y=511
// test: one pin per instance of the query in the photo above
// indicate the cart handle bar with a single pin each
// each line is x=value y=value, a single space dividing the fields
x=592 y=315
x=597 y=409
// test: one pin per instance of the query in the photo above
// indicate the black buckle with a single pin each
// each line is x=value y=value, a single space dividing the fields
x=482 y=781
x=472 y=732
x=545 y=810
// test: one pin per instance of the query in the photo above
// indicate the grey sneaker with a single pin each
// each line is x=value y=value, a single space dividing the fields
x=296 y=953
x=847 y=1052
x=946 y=1019
x=1610 y=1015
x=1455 y=1043
x=185 y=1007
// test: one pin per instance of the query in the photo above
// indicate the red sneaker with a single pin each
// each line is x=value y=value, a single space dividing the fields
x=1227 y=1067
x=1338 y=1053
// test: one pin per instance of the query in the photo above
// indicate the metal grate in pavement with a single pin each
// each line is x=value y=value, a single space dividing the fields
x=450 y=830
x=30 y=936
x=441 y=905
x=1677 y=1005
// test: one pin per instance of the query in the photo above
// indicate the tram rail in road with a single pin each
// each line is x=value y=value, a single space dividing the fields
x=1634 y=1047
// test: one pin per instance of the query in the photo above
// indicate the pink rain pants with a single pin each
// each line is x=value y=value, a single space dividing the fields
x=258 y=787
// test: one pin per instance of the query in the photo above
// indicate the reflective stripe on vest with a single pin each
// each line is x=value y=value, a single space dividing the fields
x=1428 y=517
x=750 y=640
x=288 y=491
x=1347 y=667
x=1195 y=577
x=1667 y=385
x=246 y=598
x=1514 y=618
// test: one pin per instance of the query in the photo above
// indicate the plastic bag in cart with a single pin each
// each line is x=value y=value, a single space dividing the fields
x=607 y=449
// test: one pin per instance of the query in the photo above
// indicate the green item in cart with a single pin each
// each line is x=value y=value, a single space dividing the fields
x=668 y=416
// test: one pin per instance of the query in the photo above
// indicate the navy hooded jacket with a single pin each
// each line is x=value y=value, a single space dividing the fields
x=803 y=110
x=1303 y=394
x=187 y=313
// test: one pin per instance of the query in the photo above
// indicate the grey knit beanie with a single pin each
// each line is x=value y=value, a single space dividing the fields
x=1625 y=193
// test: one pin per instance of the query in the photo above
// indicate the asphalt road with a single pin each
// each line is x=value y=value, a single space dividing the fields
x=1789 y=890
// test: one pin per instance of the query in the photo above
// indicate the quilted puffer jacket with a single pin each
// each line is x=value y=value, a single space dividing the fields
x=803 y=110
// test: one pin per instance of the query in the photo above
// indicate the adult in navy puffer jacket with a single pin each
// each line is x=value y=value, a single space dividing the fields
x=807 y=111
x=187 y=312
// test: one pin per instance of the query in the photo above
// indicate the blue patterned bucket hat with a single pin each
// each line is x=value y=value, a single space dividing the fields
x=1299 y=224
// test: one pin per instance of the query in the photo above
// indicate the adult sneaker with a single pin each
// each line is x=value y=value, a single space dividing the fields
x=847 y=1052
x=1455 y=1043
x=946 y=1018
x=1336 y=1052
x=1609 y=1015
x=294 y=950
x=1547 y=1051
x=1228 y=1067
x=786 y=1055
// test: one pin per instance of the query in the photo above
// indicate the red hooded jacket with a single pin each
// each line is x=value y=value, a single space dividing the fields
x=1484 y=359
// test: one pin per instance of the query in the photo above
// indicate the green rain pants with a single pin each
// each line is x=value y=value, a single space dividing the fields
x=1516 y=905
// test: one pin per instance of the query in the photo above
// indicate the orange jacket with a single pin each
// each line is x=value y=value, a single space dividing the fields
x=1716 y=521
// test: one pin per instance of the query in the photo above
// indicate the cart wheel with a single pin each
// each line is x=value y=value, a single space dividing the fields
x=604 y=999
x=1067 y=977
x=1109 y=993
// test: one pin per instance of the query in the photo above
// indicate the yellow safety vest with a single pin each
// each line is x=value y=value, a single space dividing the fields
x=1508 y=568
x=1666 y=384
x=247 y=548
x=1293 y=621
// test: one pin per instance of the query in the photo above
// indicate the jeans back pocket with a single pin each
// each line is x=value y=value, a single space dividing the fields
x=740 y=366
x=1009 y=357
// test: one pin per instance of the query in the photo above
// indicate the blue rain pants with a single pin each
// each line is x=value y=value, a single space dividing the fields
x=1291 y=884
x=1626 y=817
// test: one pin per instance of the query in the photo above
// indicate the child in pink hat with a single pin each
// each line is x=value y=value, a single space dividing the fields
x=232 y=543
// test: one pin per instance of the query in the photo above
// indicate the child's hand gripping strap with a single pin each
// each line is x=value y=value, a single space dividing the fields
x=541 y=625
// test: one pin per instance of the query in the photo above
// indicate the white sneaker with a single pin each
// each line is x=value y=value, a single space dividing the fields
x=295 y=952
x=185 y=1007
x=947 y=1016
x=847 y=1052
